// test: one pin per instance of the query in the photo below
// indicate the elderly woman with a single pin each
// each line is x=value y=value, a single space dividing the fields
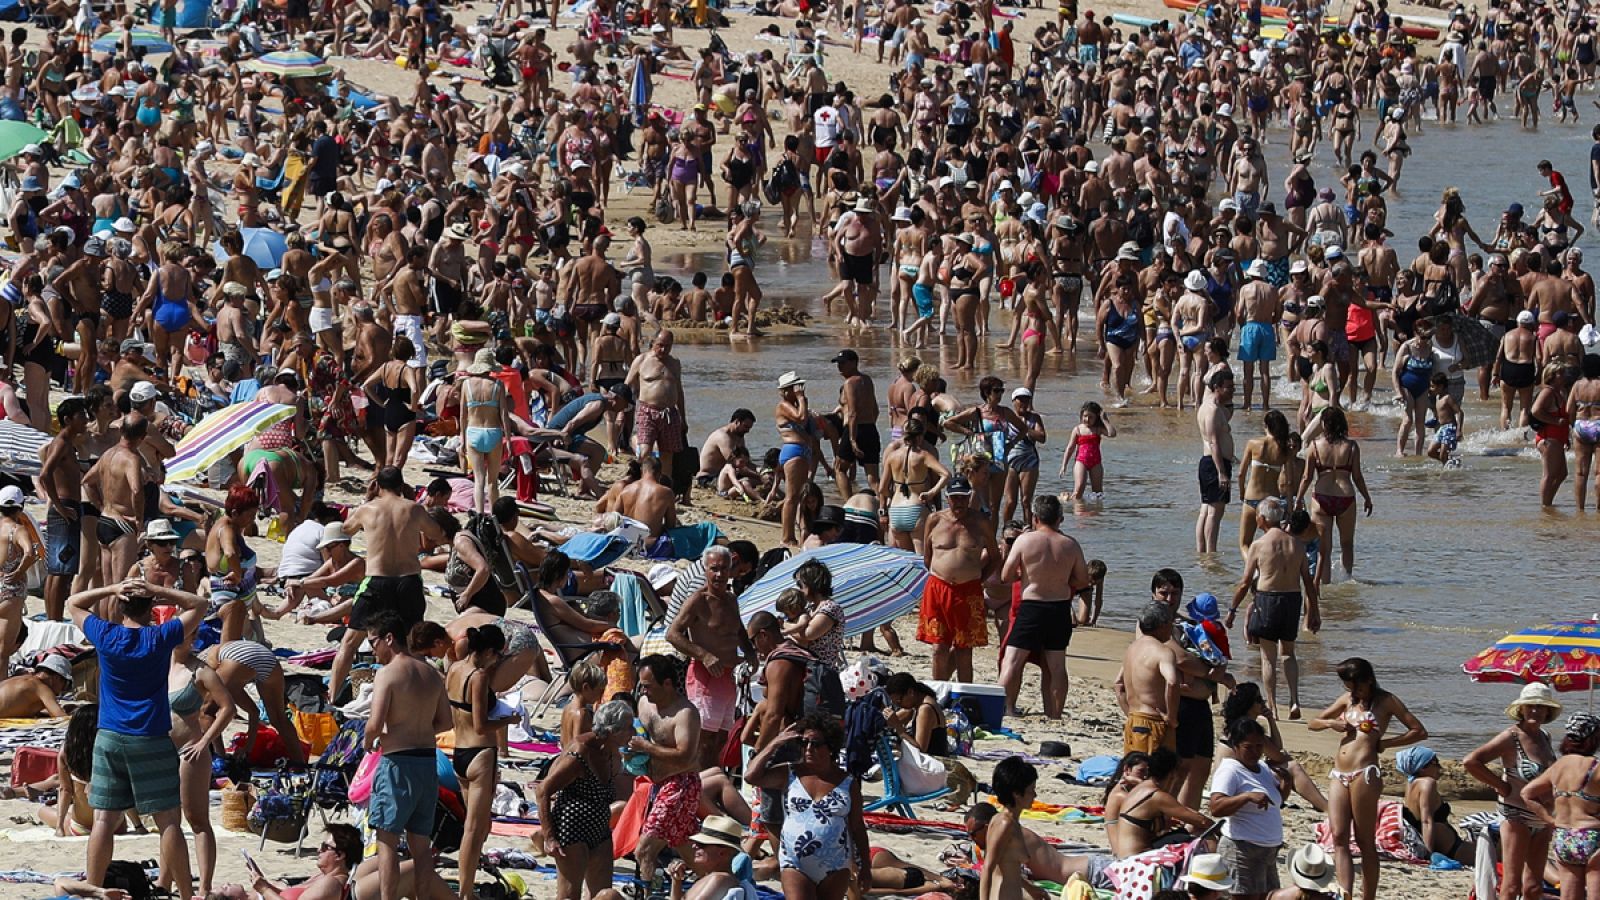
x=1425 y=817
x=1567 y=796
x=1552 y=429
x=1361 y=717
x=574 y=802
x=823 y=832
x=1524 y=752
x=1246 y=795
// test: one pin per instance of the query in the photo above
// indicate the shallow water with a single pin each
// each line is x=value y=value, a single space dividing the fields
x=1451 y=559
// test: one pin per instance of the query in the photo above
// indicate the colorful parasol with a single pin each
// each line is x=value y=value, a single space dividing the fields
x=291 y=64
x=147 y=39
x=221 y=433
x=872 y=582
x=1564 y=655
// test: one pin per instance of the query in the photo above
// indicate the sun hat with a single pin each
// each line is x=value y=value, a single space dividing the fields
x=1299 y=266
x=865 y=205
x=124 y=225
x=790 y=379
x=10 y=497
x=482 y=362
x=333 y=533
x=56 y=664
x=901 y=214
x=143 y=392
x=662 y=574
x=457 y=232
x=1195 y=280
x=1534 y=694
x=1209 y=870
x=1311 y=869
x=1128 y=252
x=1257 y=268
x=612 y=320
x=1092 y=166
x=160 y=530
x=719 y=831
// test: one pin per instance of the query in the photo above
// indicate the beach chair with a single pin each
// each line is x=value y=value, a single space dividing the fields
x=894 y=797
x=567 y=656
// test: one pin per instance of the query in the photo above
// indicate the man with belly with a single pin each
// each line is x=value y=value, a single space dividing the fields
x=960 y=552
x=1275 y=570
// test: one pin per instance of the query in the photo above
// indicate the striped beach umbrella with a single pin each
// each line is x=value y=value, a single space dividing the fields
x=20 y=447
x=1564 y=655
x=147 y=39
x=221 y=433
x=872 y=582
x=291 y=64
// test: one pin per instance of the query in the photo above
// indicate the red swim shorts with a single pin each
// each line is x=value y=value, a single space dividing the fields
x=952 y=614
x=675 y=809
x=659 y=426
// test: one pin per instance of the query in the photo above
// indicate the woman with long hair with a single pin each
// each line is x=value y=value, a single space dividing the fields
x=1333 y=477
x=913 y=478
x=469 y=687
x=71 y=814
x=1361 y=717
x=743 y=239
x=1140 y=812
x=1264 y=470
x=394 y=392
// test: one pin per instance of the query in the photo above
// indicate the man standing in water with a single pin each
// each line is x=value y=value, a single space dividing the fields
x=1276 y=570
x=858 y=406
x=659 y=415
x=960 y=553
x=408 y=711
x=396 y=528
x=707 y=631
x=1260 y=310
x=1147 y=686
x=1015 y=785
x=1052 y=570
x=1216 y=460
x=673 y=751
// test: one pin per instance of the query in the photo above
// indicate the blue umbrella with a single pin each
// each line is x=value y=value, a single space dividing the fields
x=146 y=39
x=875 y=584
x=263 y=245
x=639 y=93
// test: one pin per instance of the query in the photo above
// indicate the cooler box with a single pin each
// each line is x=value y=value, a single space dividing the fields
x=991 y=699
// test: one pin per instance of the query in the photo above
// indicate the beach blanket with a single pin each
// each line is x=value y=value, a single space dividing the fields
x=1391 y=835
x=686 y=541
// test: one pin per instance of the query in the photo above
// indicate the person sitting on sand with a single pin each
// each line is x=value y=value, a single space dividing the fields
x=32 y=693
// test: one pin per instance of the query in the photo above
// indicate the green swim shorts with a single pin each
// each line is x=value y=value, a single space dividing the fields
x=134 y=772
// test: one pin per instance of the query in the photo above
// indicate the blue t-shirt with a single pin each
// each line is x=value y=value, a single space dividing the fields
x=572 y=410
x=133 y=675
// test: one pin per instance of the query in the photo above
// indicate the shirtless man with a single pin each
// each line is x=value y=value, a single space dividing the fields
x=587 y=288
x=673 y=749
x=1216 y=459
x=1260 y=310
x=1247 y=180
x=860 y=238
x=1015 y=783
x=960 y=553
x=660 y=419
x=1052 y=570
x=1147 y=685
x=1551 y=294
x=34 y=693
x=707 y=631
x=648 y=500
x=408 y=299
x=720 y=445
x=408 y=711
x=1378 y=268
x=397 y=530
x=115 y=487
x=235 y=337
x=858 y=406
x=79 y=284
x=1276 y=570
x=61 y=480
x=448 y=265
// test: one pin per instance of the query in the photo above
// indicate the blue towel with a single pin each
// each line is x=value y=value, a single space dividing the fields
x=634 y=619
x=596 y=550
x=689 y=541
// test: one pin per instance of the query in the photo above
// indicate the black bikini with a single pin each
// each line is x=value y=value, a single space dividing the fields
x=461 y=759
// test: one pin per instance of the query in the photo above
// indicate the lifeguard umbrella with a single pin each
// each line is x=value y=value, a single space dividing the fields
x=872 y=582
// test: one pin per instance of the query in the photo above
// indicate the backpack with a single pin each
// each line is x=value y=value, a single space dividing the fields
x=785 y=177
x=132 y=877
x=822 y=691
x=493 y=543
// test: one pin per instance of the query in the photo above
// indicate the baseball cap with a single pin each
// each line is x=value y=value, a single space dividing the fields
x=662 y=574
x=143 y=392
x=1526 y=317
x=10 y=497
x=1021 y=392
x=846 y=355
x=958 y=486
x=612 y=320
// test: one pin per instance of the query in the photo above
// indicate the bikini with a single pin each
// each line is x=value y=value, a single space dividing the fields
x=1527 y=769
x=1332 y=504
x=483 y=439
x=791 y=451
x=461 y=759
x=904 y=517
x=1577 y=846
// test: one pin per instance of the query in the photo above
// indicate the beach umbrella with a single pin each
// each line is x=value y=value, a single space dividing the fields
x=1476 y=343
x=639 y=94
x=147 y=39
x=1564 y=655
x=263 y=245
x=221 y=433
x=872 y=582
x=20 y=447
x=16 y=135
x=291 y=64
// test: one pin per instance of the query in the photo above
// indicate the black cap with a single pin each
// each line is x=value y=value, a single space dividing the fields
x=846 y=355
x=623 y=391
x=958 y=485
x=828 y=517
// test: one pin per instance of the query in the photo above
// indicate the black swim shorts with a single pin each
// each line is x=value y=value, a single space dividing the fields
x=1275 y=616
x=1211 y=489
x=1197 y=731
x=1041 y=625
x=399 y=593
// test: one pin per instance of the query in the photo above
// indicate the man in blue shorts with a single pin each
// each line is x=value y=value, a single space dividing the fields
x=1259 y=310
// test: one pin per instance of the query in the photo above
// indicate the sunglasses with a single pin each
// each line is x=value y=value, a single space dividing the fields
x=327 y=846
x=812 y=744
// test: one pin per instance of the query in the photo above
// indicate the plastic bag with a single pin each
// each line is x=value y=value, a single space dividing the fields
x=919 y=772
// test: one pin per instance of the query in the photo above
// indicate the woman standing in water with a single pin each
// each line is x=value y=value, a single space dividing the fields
x=1333 y=476
x=1583 y=408
x=1264 y=469
x=1524 y=753
x=1413 y=367
x=1361 y=717
x=1552 y=429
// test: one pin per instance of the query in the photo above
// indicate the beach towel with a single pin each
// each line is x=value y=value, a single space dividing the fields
x=625 y=834
x=1391 y=835
x=595 y=550
x=634 y=617
x=687 y=541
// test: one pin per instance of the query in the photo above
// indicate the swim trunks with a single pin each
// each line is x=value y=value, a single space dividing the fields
x=1041 y=625
x=1211 y=489
x=1196 y=735
x=952 y=614
x=675 y=809
x=1145 y=733
x=405 y=790
x=399 y=593
x=1257 y=343
x=1275 y=616
x=138 y=772
x=712 y=696
x=657 y=426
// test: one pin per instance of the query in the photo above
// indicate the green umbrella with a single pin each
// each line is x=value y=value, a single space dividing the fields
x=16 y=135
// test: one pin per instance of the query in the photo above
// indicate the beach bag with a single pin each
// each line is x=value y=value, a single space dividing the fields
x=316 y=728
x=493 y=543
x=130 y=877
x=361 y=784
x=919 y=772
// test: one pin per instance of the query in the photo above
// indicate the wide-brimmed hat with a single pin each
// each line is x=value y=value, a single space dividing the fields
x=333 y=533
x=457 y=233
x=719 y=831
x=1311 y=868
x=1209 y=870
x=160 y=530
x=1535 y=694
x=790 y=379
x=482 y=362
x=1195 y=280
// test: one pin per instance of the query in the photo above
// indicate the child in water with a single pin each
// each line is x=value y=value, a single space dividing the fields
x=1083 y=449
x=1447 y=415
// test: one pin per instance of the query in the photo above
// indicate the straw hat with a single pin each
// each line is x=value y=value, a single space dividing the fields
x=332 y=533
x=719 y=831
x=160 y=530
x=457 y=232
x=1535 y=694
x=1311 y=869
x=790 y=379
x=483 y=362
x=1209 y=870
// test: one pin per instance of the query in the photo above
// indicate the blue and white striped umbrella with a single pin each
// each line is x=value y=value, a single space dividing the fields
x=873 y=583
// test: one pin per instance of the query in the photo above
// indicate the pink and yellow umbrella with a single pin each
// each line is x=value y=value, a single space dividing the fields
x=1564 y=655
